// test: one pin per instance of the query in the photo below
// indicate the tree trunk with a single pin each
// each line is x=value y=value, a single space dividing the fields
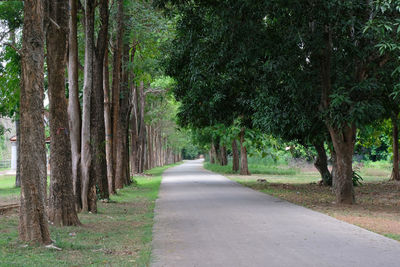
x=210 y=153
x=116 y=82
x=224 y=156
x=213 y=155
x=108 y=126
x=33 y=224
x=134 y=133
x=88 y=183
x=395 y=171
x=142 y=137
x=235 y=156
x=343 y=143
x=98 y=168
x=244 y=169
x=321 y=163
x=74 y=108
x=62 y=209
x=17 y=143
x=122 y=131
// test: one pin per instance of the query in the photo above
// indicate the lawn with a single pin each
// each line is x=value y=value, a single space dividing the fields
x=378 y=202
x=119 y=235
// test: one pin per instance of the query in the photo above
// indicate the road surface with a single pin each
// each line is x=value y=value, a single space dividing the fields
x=205 y=219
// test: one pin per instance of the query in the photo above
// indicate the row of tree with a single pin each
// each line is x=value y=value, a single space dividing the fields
x=113 y=119
x=313 y=72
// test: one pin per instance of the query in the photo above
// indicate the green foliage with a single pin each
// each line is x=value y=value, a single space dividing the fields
x=356 y=178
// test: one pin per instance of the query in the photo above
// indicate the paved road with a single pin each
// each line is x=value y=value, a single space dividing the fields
x=204 y=219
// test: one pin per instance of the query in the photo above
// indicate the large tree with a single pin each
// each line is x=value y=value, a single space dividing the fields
x=33 y=224
x=62 y=210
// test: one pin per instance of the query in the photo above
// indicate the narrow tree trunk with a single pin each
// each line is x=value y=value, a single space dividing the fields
x=224 y=156
x=134 y=133
x=142 y=127
x=33 y=223
x=395 y=171
x=108 y=126
x=343 y=143
x=74 y=108
x=88 y=183
x=213 y=159
x=321 y=163
x=244 y=169
x=62 y=209
x=98 y=168
x=17 y=143
x=116 y=82
x=235 y=156
x=122 y=131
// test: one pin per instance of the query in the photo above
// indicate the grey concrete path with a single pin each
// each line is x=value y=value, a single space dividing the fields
x=204 y=219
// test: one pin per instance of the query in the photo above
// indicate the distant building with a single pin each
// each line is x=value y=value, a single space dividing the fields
x=14 y=151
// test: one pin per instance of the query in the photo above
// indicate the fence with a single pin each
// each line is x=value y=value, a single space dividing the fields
x=5 y=164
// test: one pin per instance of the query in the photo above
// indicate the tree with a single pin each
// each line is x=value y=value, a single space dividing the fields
x=74 y=108
x=88 y=193
x=33 y=224
x=62 y=210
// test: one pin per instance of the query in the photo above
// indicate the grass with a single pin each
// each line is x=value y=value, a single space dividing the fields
x=253 y=168
x=119 y=235
x=377 y=207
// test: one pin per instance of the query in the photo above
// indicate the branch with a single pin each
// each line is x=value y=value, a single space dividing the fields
x=155 y=91
x=55 y=23
x=13 y=47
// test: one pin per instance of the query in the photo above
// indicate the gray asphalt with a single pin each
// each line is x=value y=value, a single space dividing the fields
x=204 y=219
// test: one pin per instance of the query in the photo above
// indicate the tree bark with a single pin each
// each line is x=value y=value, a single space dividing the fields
x=142 y=127
x=108 y=126
x=134 y=133
x=17 y=143
x=88 y=183
x=74 y=108
x=321 y=163
x=343 y=143
x=395 y=171
x=224 y=156
x=33 y=223
x=98 y=168
x=213 y=155
x=62 y=209
x=244 y=169
x=122 y=131
x=116 y=82
x=235 y=156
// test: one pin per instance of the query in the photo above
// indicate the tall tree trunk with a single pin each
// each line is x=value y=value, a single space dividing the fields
x=224 y=156
x=210 y=154
x=235 y=156
x=134 y=133
x=33 y=223
x=213 y=159
x=116 y=82
x=343 y=143
x=244 y=169
x=62 y=209
x=142 y=127
x=88 y=182
x=395 y=171
x=122 y=131
x=108 y=126
x=342 y=139
x=321 y=163
x=98 y=168
x=74 y=108
x=18 y=144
